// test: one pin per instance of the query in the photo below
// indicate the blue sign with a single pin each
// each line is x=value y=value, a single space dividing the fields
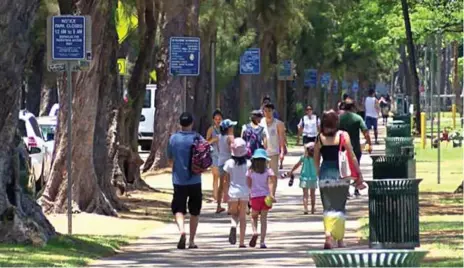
x=285 y=69
x=184 y=56
x=344 y=84
x=310 y=78
x=355 y=86
x=68 y=38
x=325 y=79
x=250 y=61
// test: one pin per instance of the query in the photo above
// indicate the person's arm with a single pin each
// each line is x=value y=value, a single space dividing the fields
x=243 y=130
x=281 y=134
x=209 y=136
x=297 y=165
x=377 y=106
x=248 y=176
x=300 y=131
x=349 y=148
x=318 y=122
x=317 y=155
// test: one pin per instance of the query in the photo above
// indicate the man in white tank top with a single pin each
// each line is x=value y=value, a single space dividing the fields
x=275 y=133
x=372 y=109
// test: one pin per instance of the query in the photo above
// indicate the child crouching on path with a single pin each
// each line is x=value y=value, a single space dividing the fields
x=236 y=190
x=308 y=177
x=262 y=182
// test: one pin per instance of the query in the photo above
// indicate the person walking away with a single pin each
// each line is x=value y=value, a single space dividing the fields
x=352 y=123
x=372 y=109
x=225 y=140
x=308 y=177
x=187 y=186
x=236 y=190
x=212 y=136
x=341 y=104
x=384 y=108
x=275 y=133
x=309 y=126
x=253 y=133
x=262 y=182
x=333 y=189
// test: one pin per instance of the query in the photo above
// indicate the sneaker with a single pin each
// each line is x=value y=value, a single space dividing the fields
x=262 y=246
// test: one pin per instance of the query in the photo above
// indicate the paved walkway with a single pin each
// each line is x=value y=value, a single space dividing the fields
x=290 y=233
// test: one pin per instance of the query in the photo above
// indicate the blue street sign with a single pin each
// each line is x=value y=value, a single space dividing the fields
x=325 y=79
x=355 y=86
x=250 y=61
x=68 y=38
x=310 y=78
x=184 y=56
x=285 y=70
x=344 y=84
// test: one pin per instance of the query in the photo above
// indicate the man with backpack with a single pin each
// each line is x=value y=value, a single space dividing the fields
x=186 y=181
x=253 y=134
x=309 y=126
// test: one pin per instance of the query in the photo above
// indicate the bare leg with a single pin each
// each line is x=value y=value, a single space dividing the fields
x=263 y=226
x=180 y=222
x=233 y=211
x=215 y=172
x=193 y=229
x=243 y=223
x=305 y=200
x=313 y=200
x=254 y=222
x=219 y=194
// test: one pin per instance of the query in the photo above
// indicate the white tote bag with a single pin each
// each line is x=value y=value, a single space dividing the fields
x=343 y=164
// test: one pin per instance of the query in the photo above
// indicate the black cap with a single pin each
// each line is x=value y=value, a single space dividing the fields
x=257 y=113
x=186 y=119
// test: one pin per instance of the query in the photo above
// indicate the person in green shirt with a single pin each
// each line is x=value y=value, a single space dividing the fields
x=352 y=123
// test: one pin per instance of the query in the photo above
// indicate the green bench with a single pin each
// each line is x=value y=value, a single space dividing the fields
x=368 y=257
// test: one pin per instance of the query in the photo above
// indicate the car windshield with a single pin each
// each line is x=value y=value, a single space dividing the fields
x=35 y=127
x=147 y=101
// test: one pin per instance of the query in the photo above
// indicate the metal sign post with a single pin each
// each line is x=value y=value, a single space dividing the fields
x=184 y=56
x=68 y=50
x=439 y=54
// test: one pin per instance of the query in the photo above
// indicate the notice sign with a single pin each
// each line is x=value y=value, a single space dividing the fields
x=68 y=38
x=184 y=55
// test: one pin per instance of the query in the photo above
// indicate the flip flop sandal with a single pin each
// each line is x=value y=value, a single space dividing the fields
x=181 y=243
x=242 y=246
x=220 y=210
x=233 y=236
x=253 y=240
x=262 y=246
x=193 y=246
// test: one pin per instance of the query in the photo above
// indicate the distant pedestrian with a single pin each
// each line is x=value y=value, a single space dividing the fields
x=224 y=145
x=262 y=182
x=384 y=108
x=266 y=100
x=372 y=109
x=308 y=127
x=334 y=189
x=212 y=135
x=236 y=190
x=275 y=133
x=187 y=186
x=308 y=177
x=253 y=133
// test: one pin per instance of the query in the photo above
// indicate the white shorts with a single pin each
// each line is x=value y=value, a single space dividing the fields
x=231 y=199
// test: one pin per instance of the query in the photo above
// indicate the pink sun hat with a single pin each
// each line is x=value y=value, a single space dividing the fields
x=239 y=148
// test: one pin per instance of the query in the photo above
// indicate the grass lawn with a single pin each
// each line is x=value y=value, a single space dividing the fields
x=62 y=251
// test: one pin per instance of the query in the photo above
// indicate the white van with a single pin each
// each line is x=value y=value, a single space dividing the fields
x=147 y=118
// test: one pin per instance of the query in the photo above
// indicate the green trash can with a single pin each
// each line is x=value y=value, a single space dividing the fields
x=405 y=118
x=398 y=129
x=397 y=145
x=393 y=167
x=394 y=213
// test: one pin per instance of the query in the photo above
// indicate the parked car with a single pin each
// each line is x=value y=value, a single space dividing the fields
x=40 y=154
x=54 y=110
x=147 y=118
x=48 y=125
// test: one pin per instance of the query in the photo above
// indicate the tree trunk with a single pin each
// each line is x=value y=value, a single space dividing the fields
x=170 y=90
x=129 y=159
x=34 y=81
x=89 y=193
x=412 y=65
x=457 y=88
x=22 y=220
x=49 y=96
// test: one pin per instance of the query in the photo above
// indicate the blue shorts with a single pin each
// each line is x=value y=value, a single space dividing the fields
x=371 y=122
x=215 y=158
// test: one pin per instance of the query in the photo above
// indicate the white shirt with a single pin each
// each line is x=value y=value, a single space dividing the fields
x=309 y=125
x=272 y=136
x=369 y=106
x=238 y=188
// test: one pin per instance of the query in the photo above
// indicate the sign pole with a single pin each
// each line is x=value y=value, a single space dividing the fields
x=213 y=76
x=69 y=129
x=185 y=92
x=439 y=54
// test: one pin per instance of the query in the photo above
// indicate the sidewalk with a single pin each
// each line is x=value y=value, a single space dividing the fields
x=290 y=233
